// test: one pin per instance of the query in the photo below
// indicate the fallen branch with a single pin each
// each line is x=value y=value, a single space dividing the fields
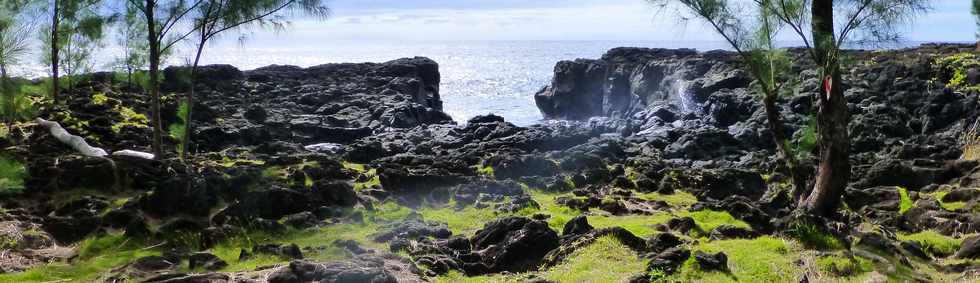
x=133 y=153
x=75 y=142
x=81 y=146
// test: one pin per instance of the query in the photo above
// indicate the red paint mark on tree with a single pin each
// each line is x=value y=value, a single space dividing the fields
x=828 y=86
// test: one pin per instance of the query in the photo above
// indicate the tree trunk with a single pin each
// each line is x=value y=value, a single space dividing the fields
x=832 y=117
x=779 y=137
x=4 y=85
x=190 y=100
x=55 y=22
x=154 y=82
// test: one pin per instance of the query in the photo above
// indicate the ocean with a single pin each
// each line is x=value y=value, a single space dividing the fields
x=478 y=77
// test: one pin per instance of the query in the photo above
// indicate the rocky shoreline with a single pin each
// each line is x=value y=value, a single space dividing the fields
x=650 y=141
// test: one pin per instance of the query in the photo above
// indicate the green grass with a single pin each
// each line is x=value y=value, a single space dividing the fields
x=708 y=220
x=951 y=206
x=605 y=260
x=464 y=222
x=764 y=259
x=12 y=175
x=813 y=237
x=839 y=266
x=459 y=277
x=96 y=256
x=230 y=251
x=935 y=243
x=905 y=202
x=678 y=199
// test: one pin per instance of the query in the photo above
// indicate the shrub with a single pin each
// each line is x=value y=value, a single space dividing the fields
x=952 y=70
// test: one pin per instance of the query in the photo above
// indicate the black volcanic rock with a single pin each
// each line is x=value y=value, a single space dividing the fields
x=514 y=244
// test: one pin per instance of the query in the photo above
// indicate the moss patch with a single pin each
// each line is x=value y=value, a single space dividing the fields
x=937 y=244
x=951 y=206
x=764 y=259
x=905 y=202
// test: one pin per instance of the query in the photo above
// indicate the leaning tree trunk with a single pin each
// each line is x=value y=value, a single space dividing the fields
x=185 y=146
x=778 y=132
x=832 y=117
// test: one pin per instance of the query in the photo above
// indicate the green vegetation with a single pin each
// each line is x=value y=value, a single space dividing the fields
x=814 y=237
x=952 y=70
x=12 y=175
x=937 y=244
x=99 y=98
x=605 y=260
x=764 y=259
x=951 y=206
x=485 y=171
x=678 y=199
x=464 y=221
x=805 y=139
x=177 y=130
x=905 y=202
x=371 y=174
x=96 y=255
x=840 y=266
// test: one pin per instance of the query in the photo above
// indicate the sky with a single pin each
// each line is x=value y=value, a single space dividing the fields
x=620 y=20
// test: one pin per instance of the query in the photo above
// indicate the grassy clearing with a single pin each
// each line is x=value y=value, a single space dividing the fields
x=764 y=259
x=96 y=256
x=937 y=244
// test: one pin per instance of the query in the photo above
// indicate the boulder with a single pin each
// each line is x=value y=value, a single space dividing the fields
x=206 y=261
x=360 y=269
x=669 y=261
x=717 y=261
x=514 y=244
x=577 y=226
x=970 y=248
